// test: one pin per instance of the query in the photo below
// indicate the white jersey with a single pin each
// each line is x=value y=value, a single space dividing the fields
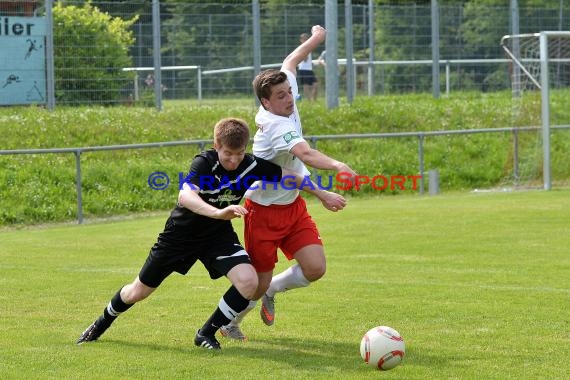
x=306 y=64
x=275 y=137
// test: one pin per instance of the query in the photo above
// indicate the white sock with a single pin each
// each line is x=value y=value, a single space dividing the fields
x=291 y=278
x=237 y=320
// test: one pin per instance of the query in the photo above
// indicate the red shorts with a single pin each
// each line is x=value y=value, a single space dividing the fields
x=288 y=227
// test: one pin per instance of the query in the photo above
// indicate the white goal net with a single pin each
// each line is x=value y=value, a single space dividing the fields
x=540 y=79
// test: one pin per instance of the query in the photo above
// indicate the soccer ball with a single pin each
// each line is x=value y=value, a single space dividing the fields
x=382 y=347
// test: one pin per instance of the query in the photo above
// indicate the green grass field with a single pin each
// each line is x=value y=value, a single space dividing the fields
x=478 y=285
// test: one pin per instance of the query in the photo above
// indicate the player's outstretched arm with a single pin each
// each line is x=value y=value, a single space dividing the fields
x=331 y=201
x=318 y=35
x=189 y=198
x=319 y=160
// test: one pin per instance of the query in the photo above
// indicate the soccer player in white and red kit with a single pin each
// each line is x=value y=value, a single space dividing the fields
x=278 y=218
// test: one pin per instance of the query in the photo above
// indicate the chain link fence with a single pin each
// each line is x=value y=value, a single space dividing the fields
x=209 y=47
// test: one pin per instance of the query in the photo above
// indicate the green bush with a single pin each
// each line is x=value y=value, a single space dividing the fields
x=92 y=48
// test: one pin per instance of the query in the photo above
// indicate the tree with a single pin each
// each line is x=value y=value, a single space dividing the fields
x=90 y=49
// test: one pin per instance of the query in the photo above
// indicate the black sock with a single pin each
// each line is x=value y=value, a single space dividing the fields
x=231 y=304
x=113 y=310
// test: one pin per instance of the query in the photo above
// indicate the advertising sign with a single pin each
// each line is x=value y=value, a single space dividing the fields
x=22 y=60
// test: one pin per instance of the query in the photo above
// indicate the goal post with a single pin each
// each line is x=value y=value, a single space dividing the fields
x=540 y=61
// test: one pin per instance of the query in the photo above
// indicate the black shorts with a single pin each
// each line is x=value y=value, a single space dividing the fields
x=218 y=256
x=306 y=77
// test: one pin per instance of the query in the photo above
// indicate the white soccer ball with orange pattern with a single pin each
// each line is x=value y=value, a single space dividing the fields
x=382 y=347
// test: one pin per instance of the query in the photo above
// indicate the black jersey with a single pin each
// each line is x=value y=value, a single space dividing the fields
x=219 y=188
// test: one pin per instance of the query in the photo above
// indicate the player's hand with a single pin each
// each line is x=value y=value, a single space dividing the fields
x=231 y=212
x=346 y=169
x=332 y=201
x=319 y=31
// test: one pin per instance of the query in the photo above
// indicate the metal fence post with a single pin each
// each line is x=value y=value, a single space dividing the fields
x=50 y=65
x=516 y=155
x=350 y=67
x=199 y=82
x=371 y=40
x=331 y=58
x=256 y=34
x=136 y=86
x=545 y=110
x=156 y=46
x=421 y=159
x=435 y=47
x=433 y=182
x=256 y=26
x=313 y=141
x=78 y=186
x=447 y=79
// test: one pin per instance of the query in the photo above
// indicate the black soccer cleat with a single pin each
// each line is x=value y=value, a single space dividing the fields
x=93 y=332
x=208 y=342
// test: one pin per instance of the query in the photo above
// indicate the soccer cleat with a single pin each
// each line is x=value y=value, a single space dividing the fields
x=93 y=332
x=267 y=311
x=233 y=332
x=208 y=342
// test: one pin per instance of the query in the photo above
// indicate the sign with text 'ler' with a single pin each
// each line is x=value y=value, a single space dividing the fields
x=22 y=60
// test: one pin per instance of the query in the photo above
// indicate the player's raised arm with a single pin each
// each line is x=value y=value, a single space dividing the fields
x=318 y=35
x=189 y=198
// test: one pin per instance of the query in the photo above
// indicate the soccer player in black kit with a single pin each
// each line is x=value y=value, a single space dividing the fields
x=200 y=228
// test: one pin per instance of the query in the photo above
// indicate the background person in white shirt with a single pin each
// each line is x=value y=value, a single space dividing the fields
x=306 y=75
x=278 y=218
x=322 y=58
